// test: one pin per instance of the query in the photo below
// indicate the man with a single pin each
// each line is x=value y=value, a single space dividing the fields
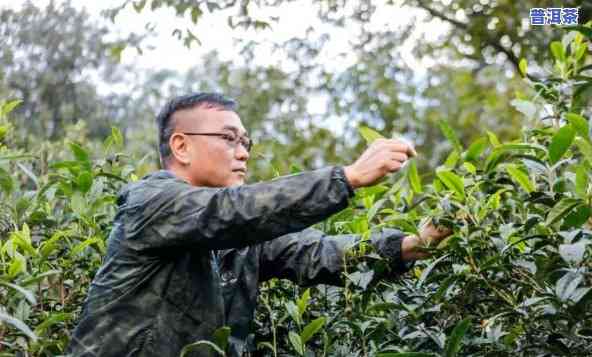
x=190 y=244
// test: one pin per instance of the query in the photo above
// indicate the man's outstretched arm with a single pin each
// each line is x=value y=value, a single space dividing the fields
x=170 y=213
x=312 y=257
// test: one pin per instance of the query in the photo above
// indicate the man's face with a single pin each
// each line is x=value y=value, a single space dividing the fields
x=212 y=161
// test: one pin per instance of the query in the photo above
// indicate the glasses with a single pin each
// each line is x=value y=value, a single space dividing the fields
x=231 y=138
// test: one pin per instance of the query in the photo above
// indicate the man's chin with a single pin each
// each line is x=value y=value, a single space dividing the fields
x=236 y=183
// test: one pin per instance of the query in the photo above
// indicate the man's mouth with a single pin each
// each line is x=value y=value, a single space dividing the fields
x=244 y=171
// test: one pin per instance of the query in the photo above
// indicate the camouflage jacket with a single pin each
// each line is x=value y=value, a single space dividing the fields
x=183 y=261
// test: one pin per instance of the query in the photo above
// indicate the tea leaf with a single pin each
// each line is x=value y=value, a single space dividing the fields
x=567 y=285
x=303 y=302
x=413 y=177
x=6 y=182
x=450 y=135
x=476 y=149
x=580 y=124
x=523 y=66
x=520 y=177
x=493 y=138
x=26 y=293
x=582 y=177
x=454 y=340
x=573 y=253
x=560 y=142
x=453 y=182
x=311 y=329
x=558 y=51
x=428 y=270
x=296 y=342
x=9 y=107
x=195 y=346
x=369 y=134
x=18 y=324
x=50 y=321
x=221 y=336
x=561 y=209
x=585 y=148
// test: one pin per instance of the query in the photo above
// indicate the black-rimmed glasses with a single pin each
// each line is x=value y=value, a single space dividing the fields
x=231 y=138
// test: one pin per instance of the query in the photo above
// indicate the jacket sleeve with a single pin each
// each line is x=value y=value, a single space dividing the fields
x=173 y=214
x=310 y=257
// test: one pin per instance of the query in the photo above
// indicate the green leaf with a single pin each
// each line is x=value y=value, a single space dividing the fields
x=476 y=149
x=573 y=253
x=520 y=177
x=453 y=182
x=580 y=124
x=558 y=51
x=561 y=142
x=311 y=329
x=9 y=107
x=582 y=177
x=567 y=285
x=585 y=148
x=428 y=270
x=84 y=244
x=53 y=319
x=519 y=147
x=116 y=50
x=81 y=155
x=293 y=312
x=561 y=209
x=450 y=135
x=196 y=346
x=116 y=138
x=18 y=324
x=296 y=342
x=454 y=340
x=493 y=139
x=84 y=181
x=26 y=293
x=369 y=134
x=6 y=182
x=577 y=217
x=195 y=14
x=17 y=265
x=221 y=336
x=413 y=177
x=523 y=66
x=303 y=302
x=452 y=159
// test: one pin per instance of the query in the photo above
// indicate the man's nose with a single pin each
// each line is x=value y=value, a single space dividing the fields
x=241 y=153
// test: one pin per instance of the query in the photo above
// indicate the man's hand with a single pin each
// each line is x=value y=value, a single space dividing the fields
x=429 y=236
x=382 y=157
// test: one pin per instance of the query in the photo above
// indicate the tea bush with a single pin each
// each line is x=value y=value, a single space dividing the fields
x=513 y=279
x=515 y=276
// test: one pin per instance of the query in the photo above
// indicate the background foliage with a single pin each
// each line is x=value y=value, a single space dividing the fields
x=501 y=120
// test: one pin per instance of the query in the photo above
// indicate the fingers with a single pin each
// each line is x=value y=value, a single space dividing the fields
x=397 y=145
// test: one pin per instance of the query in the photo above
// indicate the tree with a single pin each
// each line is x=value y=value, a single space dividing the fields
x=53 y=73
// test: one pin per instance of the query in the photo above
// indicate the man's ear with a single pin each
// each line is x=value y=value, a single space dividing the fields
x=180 y=148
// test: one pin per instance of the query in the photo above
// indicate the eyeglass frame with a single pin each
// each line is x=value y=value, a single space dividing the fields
x=235 y=142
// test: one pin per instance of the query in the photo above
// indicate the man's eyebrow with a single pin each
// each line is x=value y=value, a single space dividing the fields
x=234 y=129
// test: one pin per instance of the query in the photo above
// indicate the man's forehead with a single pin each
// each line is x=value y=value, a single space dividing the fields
x=208 y=118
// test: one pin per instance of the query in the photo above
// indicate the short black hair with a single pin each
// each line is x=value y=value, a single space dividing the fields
x=166 y=125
